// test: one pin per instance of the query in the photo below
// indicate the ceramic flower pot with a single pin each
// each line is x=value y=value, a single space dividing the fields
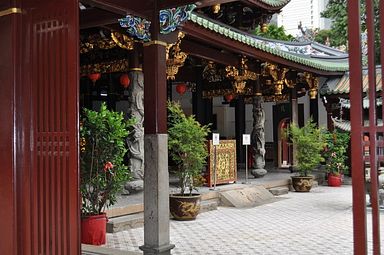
x=184 y=207
x=302 y=183
x=334 y=180
x=93 y=229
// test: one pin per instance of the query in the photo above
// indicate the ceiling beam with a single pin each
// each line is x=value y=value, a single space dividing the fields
x=137 y=8
x=211 y=38
x=93 y=17
x=210 y=54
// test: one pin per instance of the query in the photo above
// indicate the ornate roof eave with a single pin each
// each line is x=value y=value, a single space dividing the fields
x=217 y=34
x=271 y=5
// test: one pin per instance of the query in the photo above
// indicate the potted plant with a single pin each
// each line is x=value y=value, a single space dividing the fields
x=309 y=142
x=187 y=148
x=102 y=170
x=335 y=155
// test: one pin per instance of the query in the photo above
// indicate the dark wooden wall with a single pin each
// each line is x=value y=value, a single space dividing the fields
x=39 y=185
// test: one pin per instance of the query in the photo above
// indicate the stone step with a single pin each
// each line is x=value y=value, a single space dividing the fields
x=136 y=220
x=247 y=197
x=279 y=191
x=125 y=222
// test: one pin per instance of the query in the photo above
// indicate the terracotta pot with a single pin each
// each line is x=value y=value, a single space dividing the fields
x=184 y=207
x=93 y=229
x=302 y=183
x=334 y=180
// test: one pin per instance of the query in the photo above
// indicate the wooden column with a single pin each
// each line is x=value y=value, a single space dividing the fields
x=240 y=129
x=314 y=109
x=294 y=120
x=39 y=73
x=156 y=179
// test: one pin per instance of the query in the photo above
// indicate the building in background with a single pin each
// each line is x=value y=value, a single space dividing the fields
x=308 y=12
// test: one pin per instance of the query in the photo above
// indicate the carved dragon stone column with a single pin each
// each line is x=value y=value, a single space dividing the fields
x=135 y=141
x=258 y=139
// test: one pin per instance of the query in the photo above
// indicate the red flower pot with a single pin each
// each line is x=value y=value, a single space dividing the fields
x=93 y=229
x=334 y=180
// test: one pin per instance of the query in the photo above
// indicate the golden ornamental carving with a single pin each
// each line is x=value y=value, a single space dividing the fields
x=313 y=83
x=278 y=75
x=105 y=67
x=175 y=57
x=97 y=41
x=240 y=76
x=211 y=73
x=122 y=40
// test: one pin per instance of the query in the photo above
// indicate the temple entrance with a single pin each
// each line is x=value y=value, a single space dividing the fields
x=283 y=146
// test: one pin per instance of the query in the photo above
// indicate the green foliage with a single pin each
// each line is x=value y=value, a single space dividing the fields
x=337 y=11
x=102 y=151
x=274 y=32
x=309 y=142
x=323 y=35
x=335 y=152
x=187 y=147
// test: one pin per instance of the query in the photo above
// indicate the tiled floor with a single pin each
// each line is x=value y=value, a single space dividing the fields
x=319 y=222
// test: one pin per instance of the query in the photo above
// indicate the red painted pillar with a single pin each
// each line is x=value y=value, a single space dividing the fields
x=39 y=197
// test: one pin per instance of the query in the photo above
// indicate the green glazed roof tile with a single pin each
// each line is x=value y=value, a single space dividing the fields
x=327 y=63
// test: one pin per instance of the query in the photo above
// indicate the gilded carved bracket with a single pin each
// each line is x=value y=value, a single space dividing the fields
x=313 y=83
x=240 y=76
x=175 y=57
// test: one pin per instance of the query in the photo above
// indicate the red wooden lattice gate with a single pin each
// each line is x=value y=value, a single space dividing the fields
x=39 y=127
x=361 y=160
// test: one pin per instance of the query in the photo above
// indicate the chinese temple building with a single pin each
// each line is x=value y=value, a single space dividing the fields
x=59 y=56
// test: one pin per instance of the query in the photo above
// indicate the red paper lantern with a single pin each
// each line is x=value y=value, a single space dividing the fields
x=181 y=88
x=124 y=80
x=94 y=77
x=229 y=97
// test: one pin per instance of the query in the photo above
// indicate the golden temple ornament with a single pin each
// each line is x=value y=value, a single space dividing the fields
x=240 y=76
x=313 y=83
x=278 y=75
x=175 y=57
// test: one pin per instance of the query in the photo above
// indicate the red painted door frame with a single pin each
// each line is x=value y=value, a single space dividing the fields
x=39 y=194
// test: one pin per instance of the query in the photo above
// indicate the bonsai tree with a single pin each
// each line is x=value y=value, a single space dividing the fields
x=187 y=147
x=309 y=142
x=335 y=152
x=102 y=151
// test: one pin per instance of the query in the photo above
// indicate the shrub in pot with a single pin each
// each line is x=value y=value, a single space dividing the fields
x=102 y=170
x=310 y=142
x=187 y=148
x=335 y=155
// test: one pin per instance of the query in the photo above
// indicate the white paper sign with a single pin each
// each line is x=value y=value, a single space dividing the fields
x=215 y=138
x=246 y=139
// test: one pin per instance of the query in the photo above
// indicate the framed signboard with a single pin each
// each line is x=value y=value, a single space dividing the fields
x=226 y=165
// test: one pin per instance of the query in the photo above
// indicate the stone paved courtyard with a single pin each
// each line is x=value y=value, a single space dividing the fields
x=319 y=222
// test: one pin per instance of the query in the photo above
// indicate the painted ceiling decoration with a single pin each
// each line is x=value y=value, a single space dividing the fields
x=170 y=19
x=137 y=27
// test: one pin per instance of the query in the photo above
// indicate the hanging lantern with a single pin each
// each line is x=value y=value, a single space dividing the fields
x=124 y=80
x=229 y=97
x=94 y=77
x=181 y=88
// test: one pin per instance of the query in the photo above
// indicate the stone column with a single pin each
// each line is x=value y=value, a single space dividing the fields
x=156 y=179
x=135 y=141
x=258 y=138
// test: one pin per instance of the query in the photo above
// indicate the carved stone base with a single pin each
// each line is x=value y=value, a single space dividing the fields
x=134 y=186
x=258 y=173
